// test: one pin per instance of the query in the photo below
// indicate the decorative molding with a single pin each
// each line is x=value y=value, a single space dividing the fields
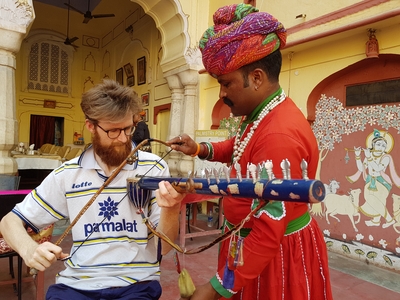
x=88 y=81
x=107 y=39
x=90 y=41
x=41 y=102
x=49 y=103
x=193 y=56
x=335 y=15
x=89 y=63
x=118 y=30
x=106 y=63
x=132 y=18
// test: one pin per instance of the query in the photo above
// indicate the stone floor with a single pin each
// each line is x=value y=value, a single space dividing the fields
x=350 y=279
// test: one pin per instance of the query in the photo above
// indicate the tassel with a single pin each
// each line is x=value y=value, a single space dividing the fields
x=229 y=278
x=239 y=253
x=232 y=254
x=186 y=286
x=177 y=263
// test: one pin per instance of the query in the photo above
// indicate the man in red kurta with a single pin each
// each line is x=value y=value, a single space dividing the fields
x=281 y=250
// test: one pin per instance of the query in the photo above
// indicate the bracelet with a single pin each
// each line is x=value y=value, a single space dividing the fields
x=197 y=151
x=358 y=157
x=210 y=153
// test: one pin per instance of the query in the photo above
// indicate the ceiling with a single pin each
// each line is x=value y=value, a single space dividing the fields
x=81 y=5
x=52 y=14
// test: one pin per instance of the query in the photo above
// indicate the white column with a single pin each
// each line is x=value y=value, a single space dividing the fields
x=189 y=123
x=183 y=83
x=176 y=88
x=16 y=18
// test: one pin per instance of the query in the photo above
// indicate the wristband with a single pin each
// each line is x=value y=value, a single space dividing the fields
x=197 y=151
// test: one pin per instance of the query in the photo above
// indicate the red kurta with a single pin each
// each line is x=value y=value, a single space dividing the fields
x=291 y=266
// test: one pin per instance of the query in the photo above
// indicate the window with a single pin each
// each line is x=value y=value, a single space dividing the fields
x=379 y=92
x=48 y=68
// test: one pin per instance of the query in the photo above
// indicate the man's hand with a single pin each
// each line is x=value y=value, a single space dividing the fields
x=183 y=143
x=167 y=196
x=42 y=256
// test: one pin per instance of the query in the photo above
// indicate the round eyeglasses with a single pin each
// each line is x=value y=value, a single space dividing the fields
x=115 y=133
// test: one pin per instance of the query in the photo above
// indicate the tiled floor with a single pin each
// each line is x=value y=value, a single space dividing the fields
x=350 y=279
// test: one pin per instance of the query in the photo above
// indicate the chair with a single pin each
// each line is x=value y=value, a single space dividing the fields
x=8 y=200
x=193 y=199
x=9 y=182
x=73 y=153
x=55 y=150
x=64 y=150
x=44 y=147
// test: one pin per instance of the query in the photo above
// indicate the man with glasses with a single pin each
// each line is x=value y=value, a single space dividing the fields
x=114 y=256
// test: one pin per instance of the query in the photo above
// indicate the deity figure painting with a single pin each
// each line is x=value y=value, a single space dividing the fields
x=373 y=167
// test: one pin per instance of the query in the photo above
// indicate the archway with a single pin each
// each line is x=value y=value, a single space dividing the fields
x=173 y=26
x=367 y=70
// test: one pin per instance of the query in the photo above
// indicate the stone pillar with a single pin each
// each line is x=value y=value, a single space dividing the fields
x=16 y=19
x=177 y=99
x=183 y=83
x=189 y=122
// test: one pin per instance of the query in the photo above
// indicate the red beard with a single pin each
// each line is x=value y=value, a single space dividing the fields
x=114 y=154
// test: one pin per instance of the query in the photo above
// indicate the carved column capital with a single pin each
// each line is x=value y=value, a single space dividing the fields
x=16 y=18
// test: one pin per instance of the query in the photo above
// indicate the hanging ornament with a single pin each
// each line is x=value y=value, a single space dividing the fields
x=229 y=278
x=232 y=253
x=346 y=157
x=239 y=253
x=371 y=46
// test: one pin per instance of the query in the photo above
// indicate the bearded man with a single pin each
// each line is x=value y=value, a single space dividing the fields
x=113 y=256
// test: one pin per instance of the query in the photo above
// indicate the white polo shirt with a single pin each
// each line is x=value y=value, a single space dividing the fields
x=116 y=248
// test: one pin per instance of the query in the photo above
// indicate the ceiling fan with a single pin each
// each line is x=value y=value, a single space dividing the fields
x=69 y=41
x=88 y=14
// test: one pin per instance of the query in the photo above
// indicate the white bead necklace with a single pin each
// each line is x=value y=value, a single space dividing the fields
x=239 y=146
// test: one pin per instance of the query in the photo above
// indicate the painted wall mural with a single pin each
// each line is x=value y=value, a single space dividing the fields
x=360 y=167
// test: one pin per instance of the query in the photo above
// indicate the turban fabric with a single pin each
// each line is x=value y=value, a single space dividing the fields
x=240 y=35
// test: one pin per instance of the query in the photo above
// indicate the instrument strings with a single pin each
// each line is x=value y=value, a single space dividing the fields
x=220 y=238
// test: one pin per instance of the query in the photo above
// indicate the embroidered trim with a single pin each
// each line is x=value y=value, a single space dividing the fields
x=264 y=210
x=216 y=282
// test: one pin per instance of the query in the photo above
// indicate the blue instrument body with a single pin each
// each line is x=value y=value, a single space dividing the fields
x=295 y=190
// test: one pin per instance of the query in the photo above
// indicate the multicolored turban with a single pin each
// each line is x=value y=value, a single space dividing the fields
x=240 y=35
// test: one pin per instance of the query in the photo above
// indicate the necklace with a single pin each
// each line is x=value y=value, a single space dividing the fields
x=239 y=145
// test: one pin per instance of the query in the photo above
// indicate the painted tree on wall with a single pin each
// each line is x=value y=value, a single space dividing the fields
x=333 y=121
x=346 y=133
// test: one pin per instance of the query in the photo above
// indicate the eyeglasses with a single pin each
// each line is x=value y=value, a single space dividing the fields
x=115 y=133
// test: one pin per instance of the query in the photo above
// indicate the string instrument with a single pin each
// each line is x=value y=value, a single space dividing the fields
x=259 y=183
x=294 y=190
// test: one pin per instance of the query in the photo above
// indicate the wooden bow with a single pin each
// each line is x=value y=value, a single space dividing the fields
x=130 y=159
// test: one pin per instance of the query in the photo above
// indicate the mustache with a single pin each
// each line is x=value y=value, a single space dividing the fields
x=227 y=101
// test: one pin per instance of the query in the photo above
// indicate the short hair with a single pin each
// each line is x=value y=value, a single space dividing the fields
x=109 y=101
x=270 y=64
